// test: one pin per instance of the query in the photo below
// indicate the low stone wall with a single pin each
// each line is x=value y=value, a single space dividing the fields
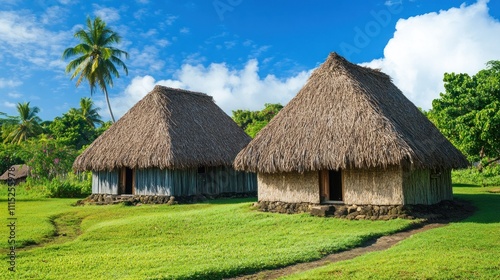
x=284 y=207
x=445 y=210
x=104 y=199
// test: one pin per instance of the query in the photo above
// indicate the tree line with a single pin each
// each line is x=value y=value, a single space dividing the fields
x=48 y=147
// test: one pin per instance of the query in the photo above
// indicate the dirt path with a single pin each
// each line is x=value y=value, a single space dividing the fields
x=67 y=228
x=379 y=244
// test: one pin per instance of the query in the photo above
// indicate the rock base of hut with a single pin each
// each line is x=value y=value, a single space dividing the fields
x=445 y=210
x=106 y=199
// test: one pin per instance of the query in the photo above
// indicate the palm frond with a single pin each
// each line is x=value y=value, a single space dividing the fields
x=96 y=63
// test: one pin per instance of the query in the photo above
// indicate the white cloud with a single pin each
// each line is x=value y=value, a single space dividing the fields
x=18 y=28
x=184 y=30
x=9 y=104
x=150 y=33
x=171 y=19
x=194 y=58
x=9 y=83
x=54 y=15
x=148 y=59
x=424 y=47
x=229 y=44
x=140 y=13
x=393 y=2
x=22 y=31
x=107 y=14
x=231 y=88
x=14 y=95
x=163 y=42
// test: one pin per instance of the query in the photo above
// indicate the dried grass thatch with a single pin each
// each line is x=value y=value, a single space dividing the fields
x=168 y=128
x=20 y=171
x=348 y=116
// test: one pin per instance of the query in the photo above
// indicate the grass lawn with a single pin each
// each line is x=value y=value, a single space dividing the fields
x=469 y=249
x=199 y=241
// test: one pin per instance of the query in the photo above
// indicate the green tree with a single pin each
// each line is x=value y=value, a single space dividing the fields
x=253 y=121
x=72 y=129
x=88 y=111
x=48 y=157
x=96 y=58
x=100 y=130
x=6 y=125
x=27 y=126
x=9 y=155
x=468 y=113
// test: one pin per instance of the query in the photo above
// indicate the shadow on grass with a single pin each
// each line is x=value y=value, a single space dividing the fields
x=466 y=186
x=488 y=207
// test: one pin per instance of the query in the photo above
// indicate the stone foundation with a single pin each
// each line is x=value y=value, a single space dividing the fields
x=445 y=210
x=105 y=199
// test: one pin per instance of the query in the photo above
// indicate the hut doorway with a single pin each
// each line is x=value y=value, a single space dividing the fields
x=331 y=186
x=127 y=178
x=335 y=185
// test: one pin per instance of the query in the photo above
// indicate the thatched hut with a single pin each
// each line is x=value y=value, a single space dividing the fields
x=172 y=142
x=350 y=136
x=15 y=174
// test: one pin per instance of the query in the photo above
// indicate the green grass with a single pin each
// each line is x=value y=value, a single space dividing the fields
x=199 y=241
x=469 y=249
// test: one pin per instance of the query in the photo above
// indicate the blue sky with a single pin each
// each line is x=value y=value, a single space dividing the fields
x=244 y=53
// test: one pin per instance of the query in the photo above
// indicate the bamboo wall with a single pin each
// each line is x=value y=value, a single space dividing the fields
x=426 y=187
x=374 y=186
x=154 y=181
x=105 y=182
x=289 y=187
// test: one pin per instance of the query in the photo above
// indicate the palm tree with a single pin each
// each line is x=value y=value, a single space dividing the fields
x=88 y=112
x=96 y=57
x=28 y=124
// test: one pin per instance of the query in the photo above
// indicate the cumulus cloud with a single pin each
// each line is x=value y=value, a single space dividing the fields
x=21 y=30
x=171 y=19
x=231 y=88
x=107 y=14
x=9 y=104
x=424 y=47
x=4 y=83
x=14 y=95
x=54 y=15
x=147 y=59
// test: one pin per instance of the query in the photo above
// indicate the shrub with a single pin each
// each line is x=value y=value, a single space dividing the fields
x=67 y=186
x=70 y=186
x=48 y=158
x=490 y=176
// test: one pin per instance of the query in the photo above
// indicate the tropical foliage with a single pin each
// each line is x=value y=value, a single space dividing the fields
x=96 y=57
x=48 y=157
x=253 y=121
x=77 y=127
x=468 y=113
x=26 y=126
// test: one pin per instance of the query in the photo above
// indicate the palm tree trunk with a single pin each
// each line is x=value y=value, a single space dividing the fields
x=109 y=105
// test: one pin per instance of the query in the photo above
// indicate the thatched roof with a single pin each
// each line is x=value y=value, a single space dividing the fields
x=20 y=171
x=348 y=116
x=168 y=128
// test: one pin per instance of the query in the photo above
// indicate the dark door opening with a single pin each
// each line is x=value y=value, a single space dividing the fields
x=129 y=179
x=335 y=185
x=126 y=183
